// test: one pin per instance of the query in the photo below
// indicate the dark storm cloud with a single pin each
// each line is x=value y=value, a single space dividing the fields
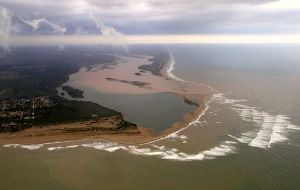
x=157 y=16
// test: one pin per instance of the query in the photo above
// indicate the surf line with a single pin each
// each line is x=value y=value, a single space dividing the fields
x=38 y=146
x=269 y=129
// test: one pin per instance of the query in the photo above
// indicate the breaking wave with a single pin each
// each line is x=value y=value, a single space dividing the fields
x=152 y=150
x=269 y=129
x=171 y=67
x=28 y=147
x=168 y=153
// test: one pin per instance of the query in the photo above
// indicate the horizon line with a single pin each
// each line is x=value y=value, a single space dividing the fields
x=154 y=39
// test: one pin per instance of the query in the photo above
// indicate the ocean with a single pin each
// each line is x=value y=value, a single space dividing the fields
x=247 y=138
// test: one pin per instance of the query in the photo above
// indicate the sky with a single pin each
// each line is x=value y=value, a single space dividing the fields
x=117 y=18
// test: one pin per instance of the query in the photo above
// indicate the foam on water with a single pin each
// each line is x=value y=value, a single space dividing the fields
x=60 y=147
x=293 y=127
x=171 y=68
x=38 y=146
x=28 y=147
x=162 y=152
x=11 y=145
x=167 y=153
x=177 y=136
x=268 y=129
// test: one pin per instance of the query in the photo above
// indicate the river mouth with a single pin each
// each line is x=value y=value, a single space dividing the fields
x=148 y=100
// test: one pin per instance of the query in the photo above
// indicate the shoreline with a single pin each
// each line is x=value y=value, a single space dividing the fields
x=145 y=136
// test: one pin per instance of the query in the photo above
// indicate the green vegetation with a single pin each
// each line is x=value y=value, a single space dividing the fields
x=191 y=102
x=73 y=92
x=31 y=73
x=38 y=72
x=134 y=83
x=158 y=63
x=66 y=111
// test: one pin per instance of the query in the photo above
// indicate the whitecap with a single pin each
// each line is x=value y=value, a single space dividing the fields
x=28 y=147
x=166 y=153
x=60 y=147
x=54 y=148
x=293 y=127
x=32 y=147
x=268 y=128
x=171 y=68
x=11 y=145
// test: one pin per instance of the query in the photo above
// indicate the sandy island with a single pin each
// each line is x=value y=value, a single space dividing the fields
x=124 y=77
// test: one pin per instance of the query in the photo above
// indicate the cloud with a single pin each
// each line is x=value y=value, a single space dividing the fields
x=164 y=16
x=37 y=24
x=110 y=33
x=106 y=31
x=5 y=28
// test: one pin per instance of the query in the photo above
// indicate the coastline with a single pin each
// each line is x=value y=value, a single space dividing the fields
x=144 y=136
x=129 y=137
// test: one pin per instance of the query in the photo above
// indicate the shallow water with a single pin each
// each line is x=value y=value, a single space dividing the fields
x=155 y=111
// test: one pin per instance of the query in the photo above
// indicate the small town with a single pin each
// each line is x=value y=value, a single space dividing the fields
x=17 y=114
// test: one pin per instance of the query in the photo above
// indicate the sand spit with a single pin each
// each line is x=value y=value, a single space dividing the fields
x=55 y=133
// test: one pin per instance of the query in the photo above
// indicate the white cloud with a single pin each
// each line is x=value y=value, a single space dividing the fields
x=282 y=5
x=106 y=31
x=36 y=25
x=170 y=16
x=5 y=28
